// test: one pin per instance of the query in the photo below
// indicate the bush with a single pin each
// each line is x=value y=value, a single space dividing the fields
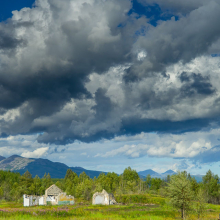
x=144 y=199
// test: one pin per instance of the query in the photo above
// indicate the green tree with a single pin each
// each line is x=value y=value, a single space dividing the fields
x=46 y=182
x=84 y=189
x=70 y=181
x=1 y=192
x=129 y=180
x=148 y=181
x=180 y=193
x=194 y=185
x=200 y=205
x=69 y=175
x=130 y=175
x=35 y=186
x=108 y=181
x=26 y=181
x=83 y=176
x=211 y=186
x=60 y=184
x=155 y=184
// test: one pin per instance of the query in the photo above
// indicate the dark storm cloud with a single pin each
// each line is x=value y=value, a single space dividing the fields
x=91 y=128
x=176 y=6
x=8 y=39
x=40 y=81
x=183 y=165
x=173 y=41
x=48 y=85
x=7 y=42
x=129 y=126
x=210 y=156
x=195 y=83
x=103 y=105
x=42 y=87
x=133 y=126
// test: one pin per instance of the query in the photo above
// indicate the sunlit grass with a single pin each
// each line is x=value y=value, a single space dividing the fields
x=15 y=211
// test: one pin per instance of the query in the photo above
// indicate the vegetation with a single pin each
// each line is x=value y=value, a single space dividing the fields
x=149 y=198
x=180 y=193
x=15 y=211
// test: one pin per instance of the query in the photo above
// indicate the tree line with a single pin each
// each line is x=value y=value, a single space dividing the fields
x=14 y=185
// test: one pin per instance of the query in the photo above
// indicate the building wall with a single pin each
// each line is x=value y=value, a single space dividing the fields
x=103 y=198
x=52 y=200
x=30 y=200
x=53 y=195
x=99 y=200
x=26 y=200
x=41 y=200
x=62 y=197
x=53 y=191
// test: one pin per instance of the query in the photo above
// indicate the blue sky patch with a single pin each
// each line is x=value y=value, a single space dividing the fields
x=10 y=5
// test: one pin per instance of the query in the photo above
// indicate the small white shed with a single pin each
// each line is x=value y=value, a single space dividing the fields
x=26 y=200
x=103 y=198
x=41 y=200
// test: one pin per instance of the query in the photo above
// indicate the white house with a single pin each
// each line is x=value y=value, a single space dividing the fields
x=53 y=195
x=103 y=198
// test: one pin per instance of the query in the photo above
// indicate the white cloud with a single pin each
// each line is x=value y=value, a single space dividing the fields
x=187 y=145
x=84 y=154
x=91 y=42
x=141 y=55
x=35 y=154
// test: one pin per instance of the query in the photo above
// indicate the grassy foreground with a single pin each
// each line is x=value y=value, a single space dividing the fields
x=15 y=211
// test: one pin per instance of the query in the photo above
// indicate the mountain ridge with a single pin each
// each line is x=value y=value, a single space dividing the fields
x=41 y=166
x=147 y=172
x=153 y=174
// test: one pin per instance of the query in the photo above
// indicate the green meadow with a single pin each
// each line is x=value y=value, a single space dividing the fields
x=161 y=209
x=177 y=197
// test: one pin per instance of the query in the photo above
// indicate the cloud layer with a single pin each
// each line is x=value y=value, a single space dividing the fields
x=91 y=70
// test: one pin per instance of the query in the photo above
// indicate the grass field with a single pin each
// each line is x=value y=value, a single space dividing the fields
x=15 y=211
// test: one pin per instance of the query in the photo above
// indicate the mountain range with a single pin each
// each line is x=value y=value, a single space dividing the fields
x=153 y=174
x=41 y=166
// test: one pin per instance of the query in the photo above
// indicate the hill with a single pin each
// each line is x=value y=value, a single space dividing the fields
x=147 y=172
x=155 y=174
x=143 y=174
x=41 y=166
x=169 y=172
x=2 y=158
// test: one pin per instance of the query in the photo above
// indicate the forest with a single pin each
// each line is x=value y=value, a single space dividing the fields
x=181 y=190
x=13 y=185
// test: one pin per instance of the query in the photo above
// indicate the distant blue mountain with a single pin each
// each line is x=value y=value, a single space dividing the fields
x=169 y=172
x=155 y=174
x=198 y=177
x=2 y=158
x=147 y=172
x=41 y=166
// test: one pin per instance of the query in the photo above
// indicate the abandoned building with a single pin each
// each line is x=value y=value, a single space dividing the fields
x=53 y=195
x=103 y=198
x=33 y=200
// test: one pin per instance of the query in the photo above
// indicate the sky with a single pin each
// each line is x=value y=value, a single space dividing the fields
x=107 y=84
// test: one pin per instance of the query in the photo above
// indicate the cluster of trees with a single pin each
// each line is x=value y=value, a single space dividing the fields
x=181 y=188
x=187 y=195
x=14 y=185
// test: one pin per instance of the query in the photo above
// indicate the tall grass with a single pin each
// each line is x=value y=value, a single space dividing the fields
x=138 y=207
x=144 y=199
